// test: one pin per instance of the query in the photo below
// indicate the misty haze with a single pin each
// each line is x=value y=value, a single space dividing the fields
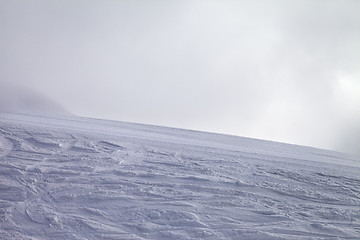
x=180 y=119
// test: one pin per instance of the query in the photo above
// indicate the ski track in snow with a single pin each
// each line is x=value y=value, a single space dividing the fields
x=77 y=178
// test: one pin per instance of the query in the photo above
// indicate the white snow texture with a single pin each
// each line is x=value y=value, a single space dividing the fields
x=78 y=178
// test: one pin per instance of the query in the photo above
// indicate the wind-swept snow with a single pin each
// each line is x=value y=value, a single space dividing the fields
x=77 y=178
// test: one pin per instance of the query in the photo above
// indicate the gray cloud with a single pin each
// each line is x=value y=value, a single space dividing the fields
x=268 y=69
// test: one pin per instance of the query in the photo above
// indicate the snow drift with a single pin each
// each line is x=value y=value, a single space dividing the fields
x=78 y=178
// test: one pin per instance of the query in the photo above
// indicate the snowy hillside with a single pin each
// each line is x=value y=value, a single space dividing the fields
x=24 y=100
x=78 y=178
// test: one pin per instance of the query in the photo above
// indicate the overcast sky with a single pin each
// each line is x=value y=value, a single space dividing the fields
x=280 y=70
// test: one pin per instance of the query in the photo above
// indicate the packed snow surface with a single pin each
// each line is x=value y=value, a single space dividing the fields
x=78 y=178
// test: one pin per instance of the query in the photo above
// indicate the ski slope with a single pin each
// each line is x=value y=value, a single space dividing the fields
x=78 y=178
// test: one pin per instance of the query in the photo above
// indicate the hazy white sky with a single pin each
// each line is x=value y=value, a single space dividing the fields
x=281 y=70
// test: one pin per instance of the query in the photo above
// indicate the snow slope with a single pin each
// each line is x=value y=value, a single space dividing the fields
x=21 y=99
x=78 y=178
